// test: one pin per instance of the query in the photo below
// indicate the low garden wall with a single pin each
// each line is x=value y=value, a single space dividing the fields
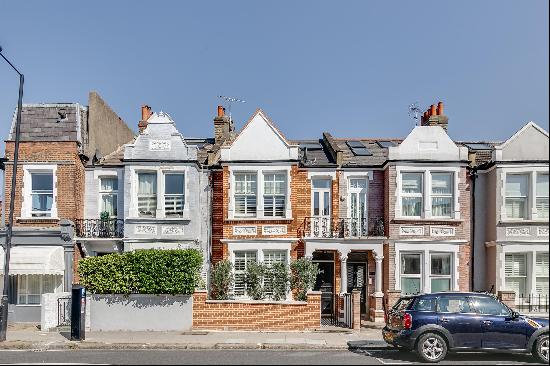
x=139 y=312
x=256 y=314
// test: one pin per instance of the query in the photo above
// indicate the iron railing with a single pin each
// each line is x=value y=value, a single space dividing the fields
x=532 y=303
x=325 y=227
x=64 y=311
x=98 y=228
x=341 y=312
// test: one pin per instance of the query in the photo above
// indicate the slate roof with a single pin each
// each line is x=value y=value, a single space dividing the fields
x=482 y=155
x=204 y=145
x=378 y=157
x=114 y=158
x=49 y=122
x=314 y=153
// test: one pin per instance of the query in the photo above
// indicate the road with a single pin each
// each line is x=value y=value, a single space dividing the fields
x=265 y=357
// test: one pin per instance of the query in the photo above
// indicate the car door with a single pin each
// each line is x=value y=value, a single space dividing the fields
x=500 y=329
x=456 y=314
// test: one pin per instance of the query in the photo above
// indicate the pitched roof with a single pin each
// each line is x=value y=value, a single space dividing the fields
x=314 y=153
x=50 y=122
x=483 y=150
x=378 y=154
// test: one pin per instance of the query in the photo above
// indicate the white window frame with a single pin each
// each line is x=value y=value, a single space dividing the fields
x=106 y=192
x=420 y=194
x=246 y=195
x=427 y=171
x=524 y=277
x=155 y=196
x=532 y=171
x=259 y=171
x=442 y=195
x=260 y=248
x=539 y=196
x=321 y=192
x=411 y=275
x=26 y=205
x=274 y=196
x=26 y=286
x=174 y=195
x=160 y=171
x=515 y=197
x=537 y=276
x=435 y=276
x=426 y=250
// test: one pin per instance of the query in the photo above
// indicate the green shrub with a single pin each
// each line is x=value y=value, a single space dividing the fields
x=303 y=276
x=151 y=271
x=221 y=280
x=104 y=216
x=276 y=281
x=254 y=279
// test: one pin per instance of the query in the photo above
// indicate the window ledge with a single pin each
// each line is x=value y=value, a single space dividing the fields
x=54 y=220
x=265 y=219
x=432 y=220
x=523 y=222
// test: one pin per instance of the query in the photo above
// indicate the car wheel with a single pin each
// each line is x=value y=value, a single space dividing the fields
x=541 y=349
x=431 y=347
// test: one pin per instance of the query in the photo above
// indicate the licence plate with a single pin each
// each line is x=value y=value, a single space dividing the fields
x=388 y=337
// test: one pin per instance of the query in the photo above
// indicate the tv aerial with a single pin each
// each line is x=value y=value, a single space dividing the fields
x=414 y=112
x=230 y=101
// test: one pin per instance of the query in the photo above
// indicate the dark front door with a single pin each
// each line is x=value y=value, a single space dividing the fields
x=325 y=284
x=357 y=280
x=499 y=329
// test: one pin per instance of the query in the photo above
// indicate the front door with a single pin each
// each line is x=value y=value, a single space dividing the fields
x=320 y=221
x=325 y=284
x=358 y=225
x=500 y=331
x=357 y=274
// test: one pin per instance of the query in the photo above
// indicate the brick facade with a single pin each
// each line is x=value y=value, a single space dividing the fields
x=256 y=315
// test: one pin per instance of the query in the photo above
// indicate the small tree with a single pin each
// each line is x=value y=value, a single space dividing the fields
x=254 y=279
x=303 y=276
x=277 y=281
x=221 y=276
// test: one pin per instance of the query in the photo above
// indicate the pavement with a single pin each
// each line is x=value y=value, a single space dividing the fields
x=30 y=337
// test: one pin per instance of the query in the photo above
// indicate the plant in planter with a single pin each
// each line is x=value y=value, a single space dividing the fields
x=221 y=276
x=104 y=224
x=277 y=281
x=254 y=279
x=303 y=276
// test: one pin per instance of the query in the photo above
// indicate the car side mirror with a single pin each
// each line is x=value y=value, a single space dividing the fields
x=515 y=315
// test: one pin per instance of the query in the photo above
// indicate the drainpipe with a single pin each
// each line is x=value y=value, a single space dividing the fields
x=473 y=177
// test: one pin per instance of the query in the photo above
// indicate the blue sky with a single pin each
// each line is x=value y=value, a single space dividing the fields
x=351 y=68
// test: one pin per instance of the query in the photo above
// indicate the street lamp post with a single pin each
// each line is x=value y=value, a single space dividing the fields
x=9 y=231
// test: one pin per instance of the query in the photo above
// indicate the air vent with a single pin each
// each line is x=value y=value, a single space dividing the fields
x=358 y=148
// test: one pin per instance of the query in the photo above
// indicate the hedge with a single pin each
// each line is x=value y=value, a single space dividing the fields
x=150 y=271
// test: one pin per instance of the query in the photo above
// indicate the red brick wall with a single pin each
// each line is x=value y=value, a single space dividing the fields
x=257 y=316
x=70 y=178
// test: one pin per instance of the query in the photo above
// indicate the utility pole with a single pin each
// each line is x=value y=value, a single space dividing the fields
x=9 y=232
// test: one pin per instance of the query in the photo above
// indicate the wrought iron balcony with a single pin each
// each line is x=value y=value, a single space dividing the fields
x=325 y=227
x=98 y=228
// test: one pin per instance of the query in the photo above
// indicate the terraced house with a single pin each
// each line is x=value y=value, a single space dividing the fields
x=152 y=192
x=57 y=142
x=511 y=217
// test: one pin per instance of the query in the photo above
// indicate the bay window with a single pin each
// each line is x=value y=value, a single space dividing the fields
x=517 y=196
x=442 y=194
x=515 y=272
x=440 y=272
x=41 y=194
x=245 y=194
x=147 y=194
x=412 y=194
x=542 y=196
x=411 y=273
x=108 y=192
x=274 y=194
x=174 y=194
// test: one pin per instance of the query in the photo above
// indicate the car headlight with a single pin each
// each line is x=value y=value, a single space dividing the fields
x=533 y=323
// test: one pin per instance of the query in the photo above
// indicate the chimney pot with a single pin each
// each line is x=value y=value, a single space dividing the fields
x=432 y=110
x=221 y=111
x=145 y=114
x=440 y=108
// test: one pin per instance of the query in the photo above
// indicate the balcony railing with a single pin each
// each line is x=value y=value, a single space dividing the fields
x=325 y=227
x=97 y=228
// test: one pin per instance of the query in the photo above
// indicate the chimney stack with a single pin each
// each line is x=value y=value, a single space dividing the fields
x=145 y=114
x=434 y=117
x=223 y=126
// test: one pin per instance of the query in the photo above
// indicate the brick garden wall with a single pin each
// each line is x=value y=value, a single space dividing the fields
x=256 y=315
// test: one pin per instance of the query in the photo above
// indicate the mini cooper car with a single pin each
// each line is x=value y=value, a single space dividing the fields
x=434 y=324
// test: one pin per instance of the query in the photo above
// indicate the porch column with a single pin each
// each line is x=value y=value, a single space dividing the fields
x=343 y=271
x=378 y=279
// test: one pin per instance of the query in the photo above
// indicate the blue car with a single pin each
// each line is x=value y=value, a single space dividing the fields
x=434 y=324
